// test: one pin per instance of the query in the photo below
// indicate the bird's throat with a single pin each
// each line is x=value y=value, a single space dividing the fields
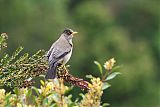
x=70 y=42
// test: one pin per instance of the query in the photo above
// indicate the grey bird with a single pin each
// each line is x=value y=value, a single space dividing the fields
x=60 y=52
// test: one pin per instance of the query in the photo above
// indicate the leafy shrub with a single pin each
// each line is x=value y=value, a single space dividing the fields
x=18 y=73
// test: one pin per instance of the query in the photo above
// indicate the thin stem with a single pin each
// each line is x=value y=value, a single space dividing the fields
x=105 y=75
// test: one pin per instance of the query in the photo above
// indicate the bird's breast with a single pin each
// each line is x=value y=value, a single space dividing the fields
x=67 y=57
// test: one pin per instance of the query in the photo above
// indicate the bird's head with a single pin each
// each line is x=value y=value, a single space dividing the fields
x=69 y=33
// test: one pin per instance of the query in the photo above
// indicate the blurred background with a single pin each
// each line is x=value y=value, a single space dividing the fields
x=128 y=30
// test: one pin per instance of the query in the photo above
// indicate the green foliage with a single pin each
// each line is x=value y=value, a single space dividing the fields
x=16 y=69
x=99 y=66
x=129 y=30
x=53 y=94
x=108 y=73
x=113 y=75
x=3 y=39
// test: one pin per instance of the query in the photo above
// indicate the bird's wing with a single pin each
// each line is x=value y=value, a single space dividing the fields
x=50 y=50
x=59 y=50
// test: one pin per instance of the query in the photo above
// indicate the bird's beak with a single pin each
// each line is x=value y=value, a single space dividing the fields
x=74 y=33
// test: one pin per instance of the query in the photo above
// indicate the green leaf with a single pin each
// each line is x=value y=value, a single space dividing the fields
x=42 y=82
x=45 y=101
x=29 y=93
x=15 y=54
x=89 y=76
x=16 y=90
x=1 y=39
x=36 y=90
x=116 y=67
x=113 y=75
x=69 y=96
x=4 y=60
x=23 y=58
x=105 y=105
x=99 y=66
x=82 y=95
x=8 y=95
x=105 y=85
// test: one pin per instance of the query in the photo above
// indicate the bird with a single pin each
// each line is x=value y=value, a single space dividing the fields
x=60 y=52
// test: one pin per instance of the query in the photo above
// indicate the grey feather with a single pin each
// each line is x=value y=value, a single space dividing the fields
x=56 y=54
x=51 y=74
x=58 y=49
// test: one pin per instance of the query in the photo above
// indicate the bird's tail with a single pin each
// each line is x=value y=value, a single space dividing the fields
x=51 y=74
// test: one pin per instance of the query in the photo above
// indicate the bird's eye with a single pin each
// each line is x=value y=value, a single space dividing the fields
x=69 y=33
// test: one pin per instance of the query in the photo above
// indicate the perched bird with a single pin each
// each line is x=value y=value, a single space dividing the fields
x=60 y=52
